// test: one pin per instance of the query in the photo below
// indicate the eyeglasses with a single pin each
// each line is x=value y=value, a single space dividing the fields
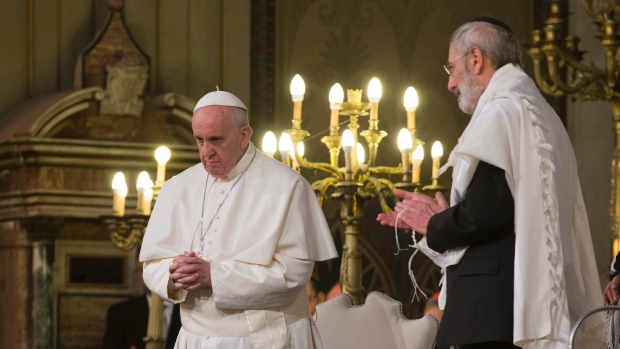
x=448 y=67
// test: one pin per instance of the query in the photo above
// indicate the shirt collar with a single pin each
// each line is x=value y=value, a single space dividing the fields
x=243 y=164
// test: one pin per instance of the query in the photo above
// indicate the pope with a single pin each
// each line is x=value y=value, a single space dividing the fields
x=234 y=239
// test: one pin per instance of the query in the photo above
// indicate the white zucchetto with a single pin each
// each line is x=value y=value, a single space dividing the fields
x=220 y=98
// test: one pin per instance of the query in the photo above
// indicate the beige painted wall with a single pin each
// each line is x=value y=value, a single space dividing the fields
x=193 y=45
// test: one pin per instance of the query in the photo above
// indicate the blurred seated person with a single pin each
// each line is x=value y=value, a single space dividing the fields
x=432 y=307
x=316 y=294
x=334 y=291
x=127 y=321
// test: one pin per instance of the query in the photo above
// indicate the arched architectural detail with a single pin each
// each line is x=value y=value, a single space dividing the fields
x=65 y=108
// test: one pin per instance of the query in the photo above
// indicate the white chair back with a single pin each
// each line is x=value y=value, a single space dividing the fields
x=379 y=323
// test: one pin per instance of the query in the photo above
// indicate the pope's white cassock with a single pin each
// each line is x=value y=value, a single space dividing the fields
x=262 y=245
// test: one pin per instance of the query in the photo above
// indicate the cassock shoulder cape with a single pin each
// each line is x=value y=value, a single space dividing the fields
x=271 y=209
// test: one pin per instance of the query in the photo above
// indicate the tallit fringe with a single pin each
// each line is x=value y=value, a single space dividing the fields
x=551 y=221
x=414 y=281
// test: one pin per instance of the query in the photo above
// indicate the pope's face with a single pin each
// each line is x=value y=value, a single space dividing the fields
x=220 y=141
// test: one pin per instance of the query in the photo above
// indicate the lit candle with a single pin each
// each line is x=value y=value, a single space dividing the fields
x=148 y=198
x=418 y=156
x=301 y=149
x=405 y=143
x=300 y=152
x=269 y=144
x=162 y=155
x=411 y=104
x=436 y=154
x=336 y=96
x=141 y=185
x=374 y=95
x=298 y=88
x=285 y=148
x=119 y=188
x=361 y=155
x=347 y=146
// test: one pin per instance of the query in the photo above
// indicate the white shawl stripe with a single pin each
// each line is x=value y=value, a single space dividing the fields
x=551 y=228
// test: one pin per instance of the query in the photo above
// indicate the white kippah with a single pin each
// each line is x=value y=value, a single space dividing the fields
x=220 y=98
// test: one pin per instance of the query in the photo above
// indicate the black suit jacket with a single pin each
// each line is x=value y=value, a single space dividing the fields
x=127 y=322
x=479 y=304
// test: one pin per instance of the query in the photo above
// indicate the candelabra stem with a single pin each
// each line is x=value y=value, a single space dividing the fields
x=351 y=213
x=353 y=126
x=154 y=334
x=373 y=138
x=333 y=156
x=332 y=142
x=126 y=232
x=372 y=153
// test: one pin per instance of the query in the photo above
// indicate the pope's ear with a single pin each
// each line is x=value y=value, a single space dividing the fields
x=246 y=133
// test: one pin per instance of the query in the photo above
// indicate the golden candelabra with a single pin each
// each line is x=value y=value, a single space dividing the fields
x=559 y=71
x=127 y=231
x=358 y=181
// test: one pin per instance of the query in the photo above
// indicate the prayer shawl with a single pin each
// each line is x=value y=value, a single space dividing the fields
x=555 y=276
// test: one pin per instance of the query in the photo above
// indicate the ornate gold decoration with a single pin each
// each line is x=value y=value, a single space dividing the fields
x=126 y=232
x=559 y=71
x=353 y=186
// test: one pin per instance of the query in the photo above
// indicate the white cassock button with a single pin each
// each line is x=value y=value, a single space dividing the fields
x=222 y=192
x=209 y=242
x=215 y=230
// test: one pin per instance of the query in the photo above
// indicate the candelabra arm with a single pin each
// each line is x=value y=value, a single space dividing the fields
x=408 y=186
x=382 y=187
x=542 y=82
x=588 y=8
x=298 y=135
x=126 y=231
x=589 y=84
x=321 y=187
x=435 y=187
x=322 y=166
x=386 y=170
